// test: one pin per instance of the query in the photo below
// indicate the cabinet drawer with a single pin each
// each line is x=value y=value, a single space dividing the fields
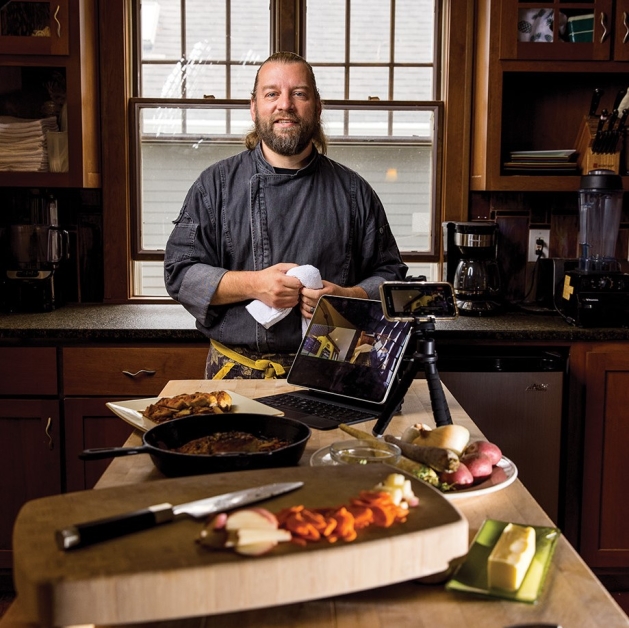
x=28 y=371
x=129 y=371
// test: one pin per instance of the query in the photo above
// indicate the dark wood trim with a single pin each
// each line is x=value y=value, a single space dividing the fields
x=115 y=50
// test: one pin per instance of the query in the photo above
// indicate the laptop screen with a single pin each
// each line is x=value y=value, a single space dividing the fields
x=350 y=349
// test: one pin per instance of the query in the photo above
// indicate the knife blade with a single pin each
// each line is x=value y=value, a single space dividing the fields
x=90 y=532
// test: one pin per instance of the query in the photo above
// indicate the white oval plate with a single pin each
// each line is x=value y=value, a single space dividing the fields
x=504 y=474
x=131 y=411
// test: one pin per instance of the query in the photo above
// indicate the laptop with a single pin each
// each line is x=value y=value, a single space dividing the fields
x=346 y=364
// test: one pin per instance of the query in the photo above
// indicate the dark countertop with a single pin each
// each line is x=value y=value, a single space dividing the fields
x=170 y=322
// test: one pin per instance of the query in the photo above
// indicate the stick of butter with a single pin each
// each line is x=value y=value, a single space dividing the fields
x=511 y=557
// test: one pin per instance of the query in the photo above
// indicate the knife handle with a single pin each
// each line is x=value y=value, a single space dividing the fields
x=83 y=534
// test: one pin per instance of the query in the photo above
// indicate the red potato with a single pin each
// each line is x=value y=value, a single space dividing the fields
x=479 y=465
x=460 y=478
x=485 y=447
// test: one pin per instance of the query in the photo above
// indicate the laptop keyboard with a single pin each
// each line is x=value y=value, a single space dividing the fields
x=317 y=413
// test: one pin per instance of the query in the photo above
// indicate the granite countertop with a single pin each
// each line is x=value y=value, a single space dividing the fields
x=171 y=322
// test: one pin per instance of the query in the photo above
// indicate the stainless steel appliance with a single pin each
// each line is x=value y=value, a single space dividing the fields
x=596 y=293
x=471 y=267
x=33 y=254
x=515 y=396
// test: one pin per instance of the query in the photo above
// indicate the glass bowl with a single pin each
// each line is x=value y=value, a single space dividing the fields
x=364 y=452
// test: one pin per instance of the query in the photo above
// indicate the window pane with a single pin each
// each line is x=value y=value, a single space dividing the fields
x=412 y=84
x=161 y=29
x=414 y=31
x=330 y=82
x=206 y=24
x=205 y=80
x=365 y=82
x=161 y=81
x=242 y=80
x=370 y=26
x=250 y=30
x=325 y=28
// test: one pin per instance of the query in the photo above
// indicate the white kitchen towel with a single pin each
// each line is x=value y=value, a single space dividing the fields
x=267 y=316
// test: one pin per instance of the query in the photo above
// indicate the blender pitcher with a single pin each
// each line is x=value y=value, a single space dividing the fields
x=600 y=208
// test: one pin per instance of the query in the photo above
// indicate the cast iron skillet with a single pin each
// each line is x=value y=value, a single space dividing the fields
x=159 y=440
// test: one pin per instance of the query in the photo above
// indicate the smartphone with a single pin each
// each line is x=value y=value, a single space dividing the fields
x=418 y=300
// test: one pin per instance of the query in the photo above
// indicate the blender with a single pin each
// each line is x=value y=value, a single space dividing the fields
x=596 y=293
x=472 y=269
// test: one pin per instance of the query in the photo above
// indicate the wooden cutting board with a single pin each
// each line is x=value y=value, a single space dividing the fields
x=163 y=574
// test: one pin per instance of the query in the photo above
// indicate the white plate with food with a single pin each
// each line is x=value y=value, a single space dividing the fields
x=132 y=411
x=503 y=474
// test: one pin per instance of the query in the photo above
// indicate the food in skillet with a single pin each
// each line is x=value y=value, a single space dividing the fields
x=230 y=442
x=187 y=404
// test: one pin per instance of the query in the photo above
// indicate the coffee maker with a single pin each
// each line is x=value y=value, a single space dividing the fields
x=32 y=255
x=596 y=293
x=471 y=267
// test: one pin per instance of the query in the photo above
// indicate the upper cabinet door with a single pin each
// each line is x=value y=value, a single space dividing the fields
x=561 y=30
x=621 y=31
x=35 y=27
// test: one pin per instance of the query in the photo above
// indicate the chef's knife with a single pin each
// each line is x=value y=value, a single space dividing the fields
x=82 y=534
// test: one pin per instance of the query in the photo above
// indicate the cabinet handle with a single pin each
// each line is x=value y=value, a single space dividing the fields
x=140 y=372
x=604 y=25
x=56 y=20
x=51 y=443
x=624 y=23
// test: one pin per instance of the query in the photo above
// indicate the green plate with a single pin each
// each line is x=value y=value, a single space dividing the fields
x=471 y=576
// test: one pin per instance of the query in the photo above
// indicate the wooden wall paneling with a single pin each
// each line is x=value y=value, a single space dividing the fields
x=512 y=253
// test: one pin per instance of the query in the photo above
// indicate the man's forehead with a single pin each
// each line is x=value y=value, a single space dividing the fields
x=273 y=74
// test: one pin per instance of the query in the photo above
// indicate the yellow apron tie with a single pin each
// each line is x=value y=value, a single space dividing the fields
x=271 y=369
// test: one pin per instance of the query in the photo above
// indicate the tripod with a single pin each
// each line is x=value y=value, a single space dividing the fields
x=425 y=355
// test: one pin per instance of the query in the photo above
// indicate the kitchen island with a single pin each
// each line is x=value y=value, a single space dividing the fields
x=572 y=597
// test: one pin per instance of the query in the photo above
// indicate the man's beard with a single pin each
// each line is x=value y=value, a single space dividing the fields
x=286 y=142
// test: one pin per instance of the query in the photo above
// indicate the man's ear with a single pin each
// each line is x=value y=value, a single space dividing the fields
x=252 y=109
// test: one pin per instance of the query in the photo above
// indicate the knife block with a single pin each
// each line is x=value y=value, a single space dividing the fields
x=588 y=160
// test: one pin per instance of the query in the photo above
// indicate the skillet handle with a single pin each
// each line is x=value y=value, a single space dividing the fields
x=83 y=534
x=98 y=453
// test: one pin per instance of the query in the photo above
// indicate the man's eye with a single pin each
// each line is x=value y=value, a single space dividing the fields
x=270 y=95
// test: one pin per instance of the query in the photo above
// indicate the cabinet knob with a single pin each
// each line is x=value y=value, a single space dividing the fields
x=140 y=372
x=603 y=21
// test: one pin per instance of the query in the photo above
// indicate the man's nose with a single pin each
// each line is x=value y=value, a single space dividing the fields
x=285 y=102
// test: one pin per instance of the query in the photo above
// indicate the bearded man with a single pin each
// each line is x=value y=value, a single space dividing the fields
x=250 y=222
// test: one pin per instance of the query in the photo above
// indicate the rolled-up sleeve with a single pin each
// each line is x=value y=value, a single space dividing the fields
x=191 y=273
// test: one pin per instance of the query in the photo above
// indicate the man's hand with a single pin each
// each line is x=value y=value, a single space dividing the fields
x=309 y=298
x=272 y=286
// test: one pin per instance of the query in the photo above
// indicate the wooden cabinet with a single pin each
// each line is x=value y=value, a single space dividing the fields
x=605 y=508
x=89 y=424
x=534 y=95
x=93 y=376
x=129 y=371
x=30 y=434
x=596 y=30
x=35 y=27
x=54 y=75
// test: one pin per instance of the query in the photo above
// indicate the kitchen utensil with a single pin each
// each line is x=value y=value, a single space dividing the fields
x=83 y=534
x=160 y=441
x=364 y=452
x=596 y=99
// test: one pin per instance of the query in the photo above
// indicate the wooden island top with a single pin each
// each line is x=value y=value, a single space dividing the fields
x=572 y=597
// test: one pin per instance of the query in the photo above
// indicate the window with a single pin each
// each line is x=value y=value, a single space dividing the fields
x=378 y=74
